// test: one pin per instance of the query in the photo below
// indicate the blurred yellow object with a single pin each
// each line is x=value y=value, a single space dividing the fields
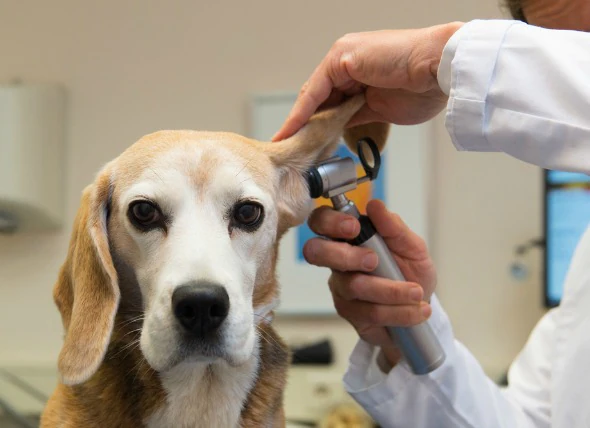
x=346 y=416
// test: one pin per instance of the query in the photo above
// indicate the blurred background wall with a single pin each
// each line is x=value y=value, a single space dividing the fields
x=133 y=67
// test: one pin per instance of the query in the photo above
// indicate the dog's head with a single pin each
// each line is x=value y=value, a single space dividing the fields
x=183 y=230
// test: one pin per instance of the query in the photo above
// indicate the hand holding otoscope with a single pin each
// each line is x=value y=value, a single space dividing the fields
x=332 y=179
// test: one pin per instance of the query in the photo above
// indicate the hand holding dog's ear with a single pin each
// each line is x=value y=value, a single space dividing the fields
x=396 y=69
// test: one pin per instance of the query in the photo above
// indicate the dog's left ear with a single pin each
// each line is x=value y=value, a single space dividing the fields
x=316 y=141
x=87 y=291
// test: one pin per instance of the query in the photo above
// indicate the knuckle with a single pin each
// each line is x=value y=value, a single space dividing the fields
x=404 y=317
x=333 y=282
x=374 y=316
x=363 y=329
x=396 y=218
x=346 y=41
x=341 y=43
x=421 y=245
x=304 y=88
x=317 y=220
x=395 y=294
x=349 y=291
x=410 y=316
x=355 y=286
x=348 y=259
x=340 y=309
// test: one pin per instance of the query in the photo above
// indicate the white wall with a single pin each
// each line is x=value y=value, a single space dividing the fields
x=133 y=67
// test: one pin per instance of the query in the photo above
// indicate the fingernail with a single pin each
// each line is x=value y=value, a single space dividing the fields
x=370 y=261
x=426 y=310
x=416 y=294
x=347 y=227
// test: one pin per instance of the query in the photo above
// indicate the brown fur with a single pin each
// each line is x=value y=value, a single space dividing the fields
x=105 y=379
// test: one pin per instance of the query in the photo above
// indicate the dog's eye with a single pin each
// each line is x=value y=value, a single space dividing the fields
x=248 y=215
x=144 y=214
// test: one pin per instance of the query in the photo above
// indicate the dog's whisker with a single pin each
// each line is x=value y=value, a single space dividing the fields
x=267 y=318
x=157 y=175
x=137 y=369
x=131 y=321
x=141 y=372
x=128 y=347
x=244 y=180
x=263 y=337
x=269 y=339
x=244 y=167
x=132 y=331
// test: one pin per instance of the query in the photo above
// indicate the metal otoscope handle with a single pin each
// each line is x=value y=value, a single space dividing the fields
x=418 y=344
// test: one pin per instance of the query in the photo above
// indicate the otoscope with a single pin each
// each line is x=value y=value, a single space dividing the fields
x=334 y=177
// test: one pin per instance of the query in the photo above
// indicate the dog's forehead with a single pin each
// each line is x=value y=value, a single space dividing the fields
x=200 y=155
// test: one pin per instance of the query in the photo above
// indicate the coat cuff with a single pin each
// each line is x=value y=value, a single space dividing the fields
x=465 y=74
x=370 y=387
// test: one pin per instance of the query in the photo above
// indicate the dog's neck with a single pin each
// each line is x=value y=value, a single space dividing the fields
x=208 y=395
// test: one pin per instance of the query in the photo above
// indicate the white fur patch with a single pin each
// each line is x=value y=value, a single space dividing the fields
x=208 y=396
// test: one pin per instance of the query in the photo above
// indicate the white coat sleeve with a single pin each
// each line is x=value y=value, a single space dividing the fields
x=458 y=394
x=519 y=89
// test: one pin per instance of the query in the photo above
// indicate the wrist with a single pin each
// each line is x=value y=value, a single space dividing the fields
x=388 y=358
x=440 y=36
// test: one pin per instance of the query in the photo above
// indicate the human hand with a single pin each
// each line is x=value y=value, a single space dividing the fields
x=370 y=303
x=397 y=70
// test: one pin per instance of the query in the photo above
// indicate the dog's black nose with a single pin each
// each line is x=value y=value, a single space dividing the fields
x=200 y=307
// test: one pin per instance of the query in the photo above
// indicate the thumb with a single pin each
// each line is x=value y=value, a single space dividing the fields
x=399 y=238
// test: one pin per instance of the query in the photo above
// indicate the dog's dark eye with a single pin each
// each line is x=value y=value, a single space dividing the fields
x=248 y=215
x=145 y=215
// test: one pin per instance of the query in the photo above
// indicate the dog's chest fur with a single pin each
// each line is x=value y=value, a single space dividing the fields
x=127 y=393
x=199 y=395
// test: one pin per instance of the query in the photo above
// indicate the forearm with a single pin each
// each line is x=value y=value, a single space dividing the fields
x=521 y=90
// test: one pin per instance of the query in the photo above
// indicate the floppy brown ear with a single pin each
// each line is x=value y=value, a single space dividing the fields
x=87 y=292
x=316 y=141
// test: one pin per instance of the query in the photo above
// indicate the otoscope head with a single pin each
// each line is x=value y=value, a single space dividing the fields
x=338 y=175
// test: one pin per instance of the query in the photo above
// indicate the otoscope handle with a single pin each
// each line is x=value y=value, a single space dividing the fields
x=418 y=344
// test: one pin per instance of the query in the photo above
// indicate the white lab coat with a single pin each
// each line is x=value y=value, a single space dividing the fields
x=524 y=91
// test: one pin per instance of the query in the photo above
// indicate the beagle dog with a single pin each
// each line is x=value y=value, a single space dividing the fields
x=169 y=285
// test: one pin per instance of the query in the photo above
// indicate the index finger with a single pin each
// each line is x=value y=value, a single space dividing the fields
x=313 y=93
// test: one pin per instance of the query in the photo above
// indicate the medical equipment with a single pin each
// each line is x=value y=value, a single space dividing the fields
x=334 y=177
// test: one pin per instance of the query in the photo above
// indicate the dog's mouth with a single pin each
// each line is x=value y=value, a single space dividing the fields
x=164 y=348
x=201 y=350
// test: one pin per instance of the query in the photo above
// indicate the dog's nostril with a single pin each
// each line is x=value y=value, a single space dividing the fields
x=187 y=312
x=200 y=307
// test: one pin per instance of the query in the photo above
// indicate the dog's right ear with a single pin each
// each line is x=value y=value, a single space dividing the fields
x=87 y=292
x=316 y=141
